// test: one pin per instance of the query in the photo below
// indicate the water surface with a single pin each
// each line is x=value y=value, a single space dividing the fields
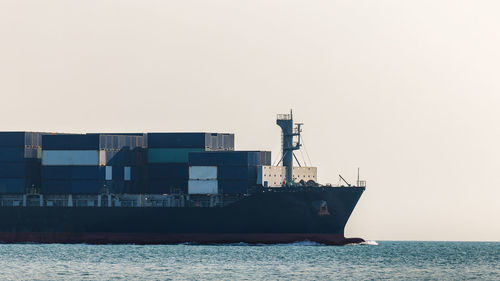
x=300 y=261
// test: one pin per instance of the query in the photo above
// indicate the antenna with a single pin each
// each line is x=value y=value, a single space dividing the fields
x=357 y=183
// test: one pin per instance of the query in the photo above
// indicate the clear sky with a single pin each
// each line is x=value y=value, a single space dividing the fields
x=407 y=90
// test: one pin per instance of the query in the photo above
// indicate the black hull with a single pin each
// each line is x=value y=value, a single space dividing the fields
x=178 y=238
x=262 y=218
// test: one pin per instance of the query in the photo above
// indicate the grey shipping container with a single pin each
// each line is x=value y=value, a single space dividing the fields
x=118 y=141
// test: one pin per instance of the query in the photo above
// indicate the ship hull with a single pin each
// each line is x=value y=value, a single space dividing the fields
x=177 y=238
x=262 y=218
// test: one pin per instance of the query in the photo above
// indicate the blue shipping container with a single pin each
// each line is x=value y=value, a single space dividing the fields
x=118 y=173
x=178 y=140
x=166 y=186
x=12 y=185
x=70 y=142
x=237 y=173
x=20 y=139
x=73 y=172
x=71 y=186
x=168 y=171
x=16 y=170
x=16 y=154
x=92 y=142
x=234 y=186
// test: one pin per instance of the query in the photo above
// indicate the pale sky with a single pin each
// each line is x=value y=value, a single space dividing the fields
x=407 y=90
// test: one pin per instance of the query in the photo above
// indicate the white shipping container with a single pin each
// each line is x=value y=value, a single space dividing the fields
x=203 y=172
x=70 y=157
x=202 y=187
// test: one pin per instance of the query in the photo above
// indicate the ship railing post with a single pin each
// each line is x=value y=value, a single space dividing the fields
x=139 y=200
x=70 y=200
x=99 y=200
x=24 y=200
x=41 y=200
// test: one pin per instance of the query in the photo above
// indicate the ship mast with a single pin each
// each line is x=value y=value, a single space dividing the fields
x=289 y=131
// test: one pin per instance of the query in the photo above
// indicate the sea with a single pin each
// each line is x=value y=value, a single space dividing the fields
x=373 y=260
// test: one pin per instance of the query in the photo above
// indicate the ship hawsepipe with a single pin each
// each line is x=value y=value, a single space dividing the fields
x=317 y=214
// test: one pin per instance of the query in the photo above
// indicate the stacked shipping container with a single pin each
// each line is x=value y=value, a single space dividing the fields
x=236 y=170
x=20 y=154
x=168 y=157
x=91 y=163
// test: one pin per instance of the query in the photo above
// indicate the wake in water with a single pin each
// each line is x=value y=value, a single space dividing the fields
x=372 y=243
x=298 y=243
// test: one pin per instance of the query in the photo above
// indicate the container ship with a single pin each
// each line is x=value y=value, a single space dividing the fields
x=165 y=188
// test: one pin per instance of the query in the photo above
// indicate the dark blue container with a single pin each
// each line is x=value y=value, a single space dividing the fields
x=11 y=185
x=16 y=139
x=73 y=172
x=178 y=140
x=15 y=154
x=71 y=186
x=168 y=171
x=92 y=141
x=114 y=157
x=126 y=157
x=234 y=186
x=86 y=186
x=237 y=173
x=70 y=142
x=15 y=170
x=20 y=139
x=118 y=173
x=56 y=187
x=166 y=186
x=116 y=186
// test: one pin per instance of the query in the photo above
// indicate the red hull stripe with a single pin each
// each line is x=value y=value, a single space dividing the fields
x=174 y=238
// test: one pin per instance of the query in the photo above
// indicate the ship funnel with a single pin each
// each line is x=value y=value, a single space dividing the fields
x=289 y=130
